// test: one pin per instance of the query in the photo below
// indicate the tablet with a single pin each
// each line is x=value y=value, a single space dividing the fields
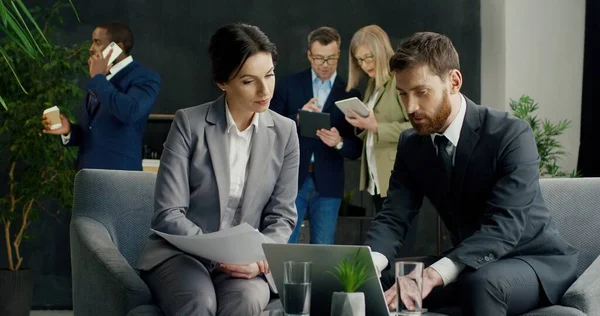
x=354 y=104
x=310 y=122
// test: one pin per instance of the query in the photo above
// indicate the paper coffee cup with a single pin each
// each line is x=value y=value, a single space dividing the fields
x=53 y=116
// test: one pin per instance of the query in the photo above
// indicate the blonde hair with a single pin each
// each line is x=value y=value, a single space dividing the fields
x=375 y=38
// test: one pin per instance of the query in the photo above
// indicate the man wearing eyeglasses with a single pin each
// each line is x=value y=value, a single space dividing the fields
x=321 y=173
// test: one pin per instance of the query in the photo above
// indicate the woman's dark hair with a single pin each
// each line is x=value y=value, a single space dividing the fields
x=230 y=47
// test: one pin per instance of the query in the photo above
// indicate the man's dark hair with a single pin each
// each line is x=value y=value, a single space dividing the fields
x=119 y=32
x=324 y=35
x=232 y=45
x=426 y=48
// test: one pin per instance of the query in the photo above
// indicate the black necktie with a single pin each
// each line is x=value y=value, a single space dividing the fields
x=445 y=159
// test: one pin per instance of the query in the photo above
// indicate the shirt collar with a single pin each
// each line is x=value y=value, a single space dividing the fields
x=453 y=131
x=120 y=65
x=231 y=123
x=316 y=79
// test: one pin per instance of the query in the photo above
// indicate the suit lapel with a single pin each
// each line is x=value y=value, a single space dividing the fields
x=381 y=92
x=217 y=141
x=335 y=94
x=262 y=143
x=307 y=86
x=466 y=144
x=92 y=104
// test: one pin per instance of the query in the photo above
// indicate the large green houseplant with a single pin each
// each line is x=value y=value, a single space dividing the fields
x=545 y=133
x=39 y=168
x=20 y=28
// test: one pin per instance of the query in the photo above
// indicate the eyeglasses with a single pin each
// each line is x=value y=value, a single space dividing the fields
x=329 y=60
x=368 y=59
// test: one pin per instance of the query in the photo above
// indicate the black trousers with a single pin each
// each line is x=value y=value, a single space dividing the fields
x=503 y=287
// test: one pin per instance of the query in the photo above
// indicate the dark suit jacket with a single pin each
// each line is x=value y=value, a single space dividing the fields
x=291 y=93
x=113 y=119
x=493 y=206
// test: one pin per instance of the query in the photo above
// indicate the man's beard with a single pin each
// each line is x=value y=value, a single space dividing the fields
x=433 y=124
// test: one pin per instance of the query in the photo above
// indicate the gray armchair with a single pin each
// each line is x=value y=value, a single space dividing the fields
x=110 y=223
x=109 y=226
x=575 y=207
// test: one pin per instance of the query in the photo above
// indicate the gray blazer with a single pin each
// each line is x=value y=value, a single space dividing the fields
x=192 y=185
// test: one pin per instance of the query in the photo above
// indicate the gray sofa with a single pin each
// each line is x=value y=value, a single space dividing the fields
x=111 y=219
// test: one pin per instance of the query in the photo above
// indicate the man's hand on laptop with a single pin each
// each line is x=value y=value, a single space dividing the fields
x=245 y=271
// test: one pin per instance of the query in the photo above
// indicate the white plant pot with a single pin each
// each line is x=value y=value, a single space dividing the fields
x=348 y=304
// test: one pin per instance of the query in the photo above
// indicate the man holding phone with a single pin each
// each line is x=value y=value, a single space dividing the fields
x=120 y=96
x=321 y=171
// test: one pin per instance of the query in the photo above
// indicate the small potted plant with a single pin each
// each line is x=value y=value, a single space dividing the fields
x=352 y=274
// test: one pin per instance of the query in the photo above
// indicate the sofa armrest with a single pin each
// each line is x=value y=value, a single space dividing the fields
x=146 y=310
x=104 y=283
x=584 y=294
x=555 y=310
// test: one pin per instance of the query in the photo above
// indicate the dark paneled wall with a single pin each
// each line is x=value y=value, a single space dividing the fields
x=172 y=38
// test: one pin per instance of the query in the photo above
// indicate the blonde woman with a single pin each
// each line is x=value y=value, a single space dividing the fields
x=370 y=53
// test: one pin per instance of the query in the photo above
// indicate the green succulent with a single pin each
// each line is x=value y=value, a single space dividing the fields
x=351 y=273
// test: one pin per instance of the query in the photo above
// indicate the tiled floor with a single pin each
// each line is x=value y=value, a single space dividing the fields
x=51 y=313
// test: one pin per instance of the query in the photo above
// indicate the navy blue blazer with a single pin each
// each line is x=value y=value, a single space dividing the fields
x=291 y=93
x=113 y=119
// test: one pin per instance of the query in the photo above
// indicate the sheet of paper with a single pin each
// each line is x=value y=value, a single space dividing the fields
x=237 y=245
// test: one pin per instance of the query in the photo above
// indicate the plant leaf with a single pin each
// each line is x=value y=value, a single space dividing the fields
x=15 y=28
x=27 y=28
x=75 y=11
x=3 y=14
x=3 y=103
x=31 y=19
x=8 y=62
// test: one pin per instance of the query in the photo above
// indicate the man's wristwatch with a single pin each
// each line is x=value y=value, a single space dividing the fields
x=339 y=145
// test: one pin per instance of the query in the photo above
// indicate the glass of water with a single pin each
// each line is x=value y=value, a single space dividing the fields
x=409 y=285
x=296 y=287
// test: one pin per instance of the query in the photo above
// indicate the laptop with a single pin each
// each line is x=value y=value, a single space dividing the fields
x=324 y=258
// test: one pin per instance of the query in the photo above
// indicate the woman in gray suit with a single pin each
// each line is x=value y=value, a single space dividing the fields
x=225 y=162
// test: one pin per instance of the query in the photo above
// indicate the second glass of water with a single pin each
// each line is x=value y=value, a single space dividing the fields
x=296 y=287
x=409 y=285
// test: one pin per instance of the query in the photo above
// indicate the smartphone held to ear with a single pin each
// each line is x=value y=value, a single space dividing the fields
x=116 y=51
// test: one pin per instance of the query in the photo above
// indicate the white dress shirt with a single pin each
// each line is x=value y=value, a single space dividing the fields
x=373 y=187
x=448 y=269
x=239 y=153
x=113 y=71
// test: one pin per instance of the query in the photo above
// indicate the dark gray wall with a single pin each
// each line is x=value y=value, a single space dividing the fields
x=172 y=38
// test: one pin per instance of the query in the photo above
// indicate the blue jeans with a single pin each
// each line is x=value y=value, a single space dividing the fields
x=323 y=212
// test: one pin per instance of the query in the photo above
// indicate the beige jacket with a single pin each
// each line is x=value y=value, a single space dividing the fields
x=392 y=120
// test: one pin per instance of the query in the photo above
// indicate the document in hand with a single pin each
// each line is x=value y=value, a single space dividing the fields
x=241 y=244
